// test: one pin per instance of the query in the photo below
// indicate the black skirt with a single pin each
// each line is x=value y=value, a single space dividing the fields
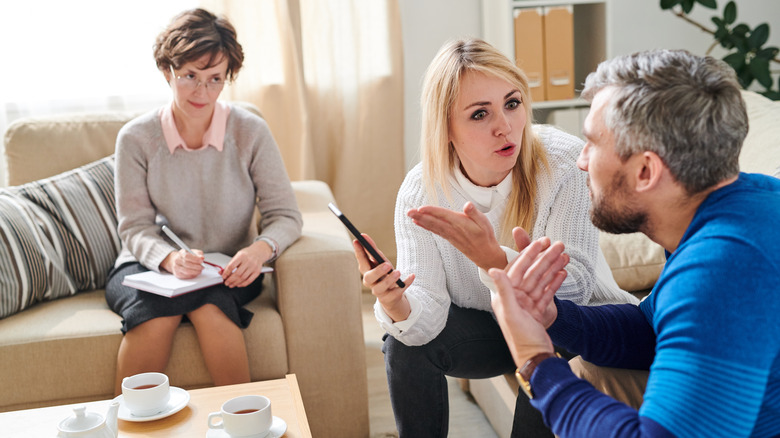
x=137 y=306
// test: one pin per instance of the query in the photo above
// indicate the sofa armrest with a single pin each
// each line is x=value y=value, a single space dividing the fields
x=318 y=292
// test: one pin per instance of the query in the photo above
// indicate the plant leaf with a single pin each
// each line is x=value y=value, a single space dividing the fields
x=730 y=13
x=720 y=28
x=759 y=36
x=723 y=36
x=687 y=5
x=736 y=60
x=708 y=3
x=768 y=53
x=669 y=4
x=759 y=67
x=727 y=41
x=741 y=43
x=741 y=29
x=745 y=77
x=771 y=94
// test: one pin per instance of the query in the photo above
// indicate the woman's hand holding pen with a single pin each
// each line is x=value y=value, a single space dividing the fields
x=184 y=264
x=246 y=265
x=381 y=279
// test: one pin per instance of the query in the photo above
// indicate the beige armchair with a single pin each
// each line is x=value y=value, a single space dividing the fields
x=307 y=321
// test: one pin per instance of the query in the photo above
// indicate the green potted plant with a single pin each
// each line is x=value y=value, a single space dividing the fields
x=748 y=54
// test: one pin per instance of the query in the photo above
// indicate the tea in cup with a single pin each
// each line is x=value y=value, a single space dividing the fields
x=146 y=394
x=244 y=416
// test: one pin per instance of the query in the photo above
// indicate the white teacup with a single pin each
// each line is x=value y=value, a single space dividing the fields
x=146 y=394
x=245 y=416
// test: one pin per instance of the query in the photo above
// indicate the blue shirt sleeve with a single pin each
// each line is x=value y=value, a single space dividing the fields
x=614 y=335
x=572 y=407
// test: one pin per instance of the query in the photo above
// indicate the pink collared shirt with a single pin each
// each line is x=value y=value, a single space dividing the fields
x=214 y=136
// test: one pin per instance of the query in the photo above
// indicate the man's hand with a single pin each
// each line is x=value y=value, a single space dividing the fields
x=524 y=304
x=470 y=232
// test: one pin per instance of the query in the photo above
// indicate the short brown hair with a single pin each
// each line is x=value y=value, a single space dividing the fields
x=195 y=33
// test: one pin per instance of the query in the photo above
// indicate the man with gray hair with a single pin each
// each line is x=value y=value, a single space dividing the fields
x=663 y=139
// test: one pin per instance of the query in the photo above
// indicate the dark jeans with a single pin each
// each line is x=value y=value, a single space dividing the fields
x=470 y=346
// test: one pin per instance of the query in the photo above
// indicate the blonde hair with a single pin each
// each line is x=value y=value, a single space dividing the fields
x=440 y=89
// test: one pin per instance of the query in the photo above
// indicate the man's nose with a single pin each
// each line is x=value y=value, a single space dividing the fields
x=582 y=160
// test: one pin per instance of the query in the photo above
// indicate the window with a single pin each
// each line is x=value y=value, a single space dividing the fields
x=82 y=54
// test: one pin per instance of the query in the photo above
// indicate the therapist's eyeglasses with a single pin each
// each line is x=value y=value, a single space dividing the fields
x=191 y=83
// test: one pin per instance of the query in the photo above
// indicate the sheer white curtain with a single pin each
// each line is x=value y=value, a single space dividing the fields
x=80 y=55
x=328 y=78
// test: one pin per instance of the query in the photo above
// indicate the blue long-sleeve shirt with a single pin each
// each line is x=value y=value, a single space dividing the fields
x=709 y=333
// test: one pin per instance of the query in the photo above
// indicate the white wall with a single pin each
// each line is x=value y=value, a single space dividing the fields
x=633 y=25
x=426 y=26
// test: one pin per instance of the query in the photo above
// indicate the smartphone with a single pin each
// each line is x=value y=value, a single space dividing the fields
x=360 y=238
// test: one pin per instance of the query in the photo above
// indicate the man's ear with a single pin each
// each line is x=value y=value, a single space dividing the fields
x=649 y=171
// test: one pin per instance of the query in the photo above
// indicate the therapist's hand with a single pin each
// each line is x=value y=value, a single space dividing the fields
x=246 y=265
x=381 y=279
x=182 y=264
x=470 y=232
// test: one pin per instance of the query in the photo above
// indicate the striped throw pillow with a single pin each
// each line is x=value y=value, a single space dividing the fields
x=57 y=236
x=29 y=265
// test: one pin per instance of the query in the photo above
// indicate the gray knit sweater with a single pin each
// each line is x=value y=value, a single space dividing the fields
x=205 y=196
x=444 y=275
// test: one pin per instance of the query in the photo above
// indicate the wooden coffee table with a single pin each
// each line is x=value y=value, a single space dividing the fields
x=190 y=422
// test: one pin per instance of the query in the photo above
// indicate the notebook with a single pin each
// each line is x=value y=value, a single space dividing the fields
x=167 y=285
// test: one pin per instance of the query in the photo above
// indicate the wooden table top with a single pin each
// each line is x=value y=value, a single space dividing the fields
x=190 y=422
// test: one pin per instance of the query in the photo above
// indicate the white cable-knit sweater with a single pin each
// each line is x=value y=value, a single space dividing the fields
x=444 y=275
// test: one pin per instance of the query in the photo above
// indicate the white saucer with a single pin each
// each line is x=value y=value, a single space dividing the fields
x=278 y=428
x=179 y=399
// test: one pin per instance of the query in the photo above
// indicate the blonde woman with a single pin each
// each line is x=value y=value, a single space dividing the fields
x=484 y=167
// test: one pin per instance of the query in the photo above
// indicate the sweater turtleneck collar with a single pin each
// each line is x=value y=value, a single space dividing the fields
x=484 y=198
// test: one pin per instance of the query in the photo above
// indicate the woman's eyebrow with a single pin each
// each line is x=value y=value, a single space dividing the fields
x=477 y=104
x=486 y=103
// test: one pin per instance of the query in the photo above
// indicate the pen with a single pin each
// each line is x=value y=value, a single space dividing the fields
x=168 y=232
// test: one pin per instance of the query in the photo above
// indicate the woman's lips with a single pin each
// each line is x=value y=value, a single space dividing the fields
x=507 y=151
x=198 y=105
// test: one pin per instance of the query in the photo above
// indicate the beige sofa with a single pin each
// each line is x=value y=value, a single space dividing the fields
x=635 y=260
x=307 y=321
